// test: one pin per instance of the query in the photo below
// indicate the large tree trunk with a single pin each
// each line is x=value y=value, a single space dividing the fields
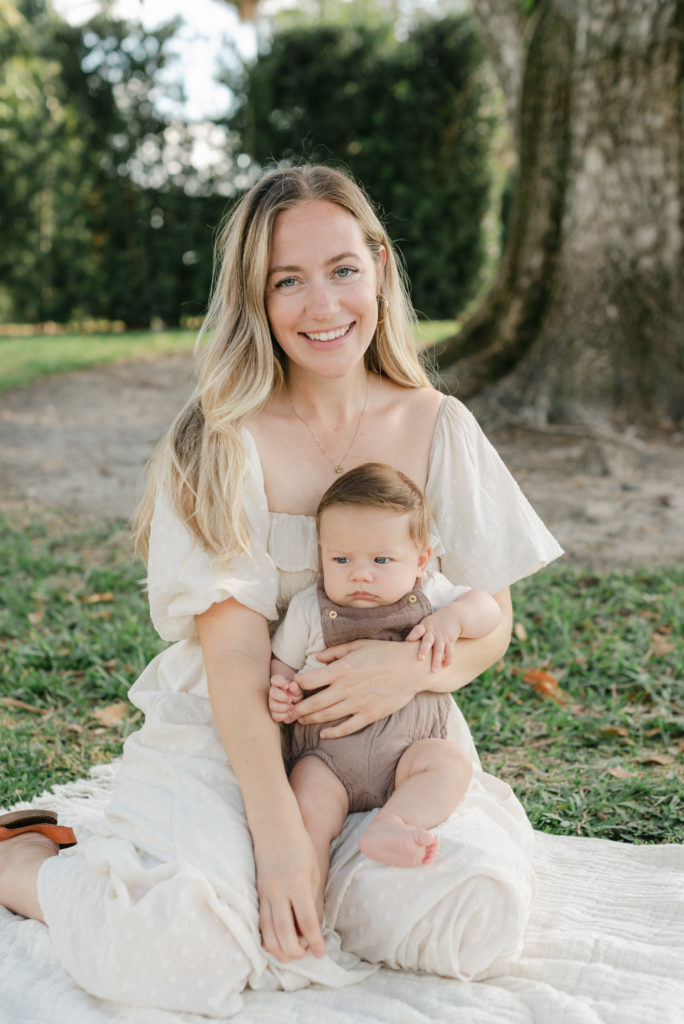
x=584 y=322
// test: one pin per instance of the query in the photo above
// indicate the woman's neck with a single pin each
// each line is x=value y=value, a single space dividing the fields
x=329 y=401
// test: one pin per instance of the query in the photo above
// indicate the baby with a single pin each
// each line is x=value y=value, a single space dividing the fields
x=373 y=529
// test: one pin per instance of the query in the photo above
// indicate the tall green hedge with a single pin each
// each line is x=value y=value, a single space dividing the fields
x=411 y=119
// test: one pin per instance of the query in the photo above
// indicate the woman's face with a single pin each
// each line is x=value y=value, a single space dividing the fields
x=322 y=287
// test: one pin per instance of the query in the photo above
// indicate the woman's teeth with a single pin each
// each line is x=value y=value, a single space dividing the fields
x=328 y=335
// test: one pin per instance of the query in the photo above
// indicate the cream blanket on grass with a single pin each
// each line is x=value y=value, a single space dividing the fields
x=605 y=945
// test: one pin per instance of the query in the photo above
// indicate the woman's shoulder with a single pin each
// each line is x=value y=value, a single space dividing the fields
x=422 y=400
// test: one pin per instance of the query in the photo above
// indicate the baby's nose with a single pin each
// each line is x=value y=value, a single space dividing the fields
x=362 y=571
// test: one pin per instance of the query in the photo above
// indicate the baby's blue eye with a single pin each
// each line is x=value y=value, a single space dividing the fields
x=342 y=560
x=383 y=559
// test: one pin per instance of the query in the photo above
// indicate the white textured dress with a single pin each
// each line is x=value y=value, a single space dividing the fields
x=160 y=909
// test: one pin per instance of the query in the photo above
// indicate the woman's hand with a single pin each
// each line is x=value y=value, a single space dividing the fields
x=365 y=680
x=288 y=882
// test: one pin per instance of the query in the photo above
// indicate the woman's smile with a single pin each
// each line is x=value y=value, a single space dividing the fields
x=325 y=337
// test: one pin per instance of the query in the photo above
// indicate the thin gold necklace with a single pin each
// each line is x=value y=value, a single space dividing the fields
x=337 y=466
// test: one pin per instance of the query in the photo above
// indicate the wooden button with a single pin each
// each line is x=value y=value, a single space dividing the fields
x=412 y=598
x=332 y=613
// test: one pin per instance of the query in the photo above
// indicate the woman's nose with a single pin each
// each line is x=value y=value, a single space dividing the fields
x=322 y=300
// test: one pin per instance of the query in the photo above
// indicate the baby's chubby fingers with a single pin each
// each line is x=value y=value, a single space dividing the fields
x=281 y=696
x=427 y=644
x=438 y=653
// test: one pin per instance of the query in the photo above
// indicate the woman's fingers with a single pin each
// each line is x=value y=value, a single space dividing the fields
x=310 y=926
x=278 y=930
x=351 y=724
x=331 y=654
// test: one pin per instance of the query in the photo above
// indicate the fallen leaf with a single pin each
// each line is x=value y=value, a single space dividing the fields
x=663 y=759
x=660 y=645
x=546 y=684
x=520 y=631
x=20 y=705
x=616 y=730
x=96 y=598
x=620 y=773
x=112 y=714
x=36 y=617
x=109 y=665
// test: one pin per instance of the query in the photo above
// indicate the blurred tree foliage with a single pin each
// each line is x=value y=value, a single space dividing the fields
x=412 y=119
x=94 y=212
x=104 y=215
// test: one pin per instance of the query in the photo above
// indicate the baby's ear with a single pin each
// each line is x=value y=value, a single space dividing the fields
x=424 y=557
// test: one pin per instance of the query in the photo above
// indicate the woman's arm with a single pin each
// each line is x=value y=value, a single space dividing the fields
x=369 y=679
x=237 y=654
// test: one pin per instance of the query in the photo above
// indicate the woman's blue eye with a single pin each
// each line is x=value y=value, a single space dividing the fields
x=286 y=282
x=383 y=559
x=345 y=271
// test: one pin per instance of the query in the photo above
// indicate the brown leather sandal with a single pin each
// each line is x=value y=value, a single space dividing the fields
x=17 y=822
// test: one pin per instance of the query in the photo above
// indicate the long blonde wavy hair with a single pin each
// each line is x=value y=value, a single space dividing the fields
x=201 y=461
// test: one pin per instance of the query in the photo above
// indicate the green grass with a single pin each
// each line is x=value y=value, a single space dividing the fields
x=601 y=754
x=25 y=359
x=75 y=633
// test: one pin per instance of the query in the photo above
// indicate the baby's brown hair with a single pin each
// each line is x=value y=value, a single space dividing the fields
x=379 y=485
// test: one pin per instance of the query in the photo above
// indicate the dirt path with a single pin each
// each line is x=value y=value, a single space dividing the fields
x=80 y=442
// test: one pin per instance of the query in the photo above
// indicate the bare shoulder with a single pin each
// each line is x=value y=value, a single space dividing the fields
x=401 y=428
x=414 y=410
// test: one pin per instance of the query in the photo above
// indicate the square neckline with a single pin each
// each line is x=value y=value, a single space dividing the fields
x=312 y=519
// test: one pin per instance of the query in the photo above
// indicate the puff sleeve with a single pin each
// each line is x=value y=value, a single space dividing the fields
x=488 y=534
x=184 y=579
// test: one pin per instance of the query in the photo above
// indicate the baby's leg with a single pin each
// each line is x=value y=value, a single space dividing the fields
x=324 y=805
x=432 y=776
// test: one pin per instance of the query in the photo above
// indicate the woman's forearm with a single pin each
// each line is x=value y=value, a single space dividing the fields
x=236 y=651
x=237 y=656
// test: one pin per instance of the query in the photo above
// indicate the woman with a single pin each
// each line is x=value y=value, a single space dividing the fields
x=308 y=369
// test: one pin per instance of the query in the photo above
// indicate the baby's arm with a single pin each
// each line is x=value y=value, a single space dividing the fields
x=473 y=615
x=283 y=692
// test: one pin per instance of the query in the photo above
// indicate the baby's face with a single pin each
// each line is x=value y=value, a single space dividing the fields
x=367 y=556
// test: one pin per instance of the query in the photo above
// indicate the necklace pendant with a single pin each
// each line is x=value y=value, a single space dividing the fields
x=339 y=469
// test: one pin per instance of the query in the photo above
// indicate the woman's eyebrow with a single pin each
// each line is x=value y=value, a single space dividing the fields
x=291 y=268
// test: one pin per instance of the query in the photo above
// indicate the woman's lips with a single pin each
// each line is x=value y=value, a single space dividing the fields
x=328 y=339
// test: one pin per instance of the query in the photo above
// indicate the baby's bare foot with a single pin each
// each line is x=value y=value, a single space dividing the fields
x=392 y=841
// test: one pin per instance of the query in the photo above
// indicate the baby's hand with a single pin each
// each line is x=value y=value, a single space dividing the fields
x=437 y=633
x=283 y=693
